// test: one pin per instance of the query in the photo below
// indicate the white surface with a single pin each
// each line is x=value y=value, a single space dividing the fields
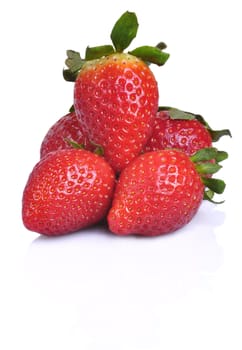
x=93 y=290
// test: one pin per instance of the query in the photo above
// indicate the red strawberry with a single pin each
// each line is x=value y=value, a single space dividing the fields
x=186 y=131
x=186 y=135
x=158 y=193
x=67 y=190
x=65 y=129
x=116 y=99
x=116 y=94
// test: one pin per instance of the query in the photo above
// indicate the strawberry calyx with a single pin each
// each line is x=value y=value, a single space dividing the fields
x=74 y=144
x=150 y=54
x=206 y=162
x=72 y=109
x=122 y=34
x=98 y=150
x=124 y=31
x=74 y=62
x=176 y=113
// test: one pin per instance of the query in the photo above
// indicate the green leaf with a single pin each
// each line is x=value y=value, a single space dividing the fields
x=161 y=45
x=208 y=195
x=202 y=120
x=124 y=31
x=99 y=150
x=98 y=51
x=216 y=185
x=74 y=61
x=72 y=109
x=217 y=134
x=221 y=155
x=204 y=154
x=75 y=144
x=68 y=75
x=208 y=168
x=151 y=54
x=164 y=108
x=176 y=113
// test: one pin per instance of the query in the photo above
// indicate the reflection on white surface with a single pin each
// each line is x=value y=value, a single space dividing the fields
x=111 y=283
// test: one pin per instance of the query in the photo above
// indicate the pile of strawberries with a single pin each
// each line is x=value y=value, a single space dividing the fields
x=117 y=157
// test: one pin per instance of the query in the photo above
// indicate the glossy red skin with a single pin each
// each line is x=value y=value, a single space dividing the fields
x=67 y=190
x=186 y=135
x=66 y=128
x=159 y=192
x=116 y=99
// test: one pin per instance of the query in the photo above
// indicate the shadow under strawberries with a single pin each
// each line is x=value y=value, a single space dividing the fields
x=105 y=279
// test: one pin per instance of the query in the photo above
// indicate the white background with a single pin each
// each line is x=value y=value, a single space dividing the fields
x=93 y=290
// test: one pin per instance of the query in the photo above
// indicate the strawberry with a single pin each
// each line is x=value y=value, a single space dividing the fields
x=116 y=100
x=67 y=190
x=160 y=191
x=116 y=93
x=186 y=135
x=60 y=134
x=177 y=129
